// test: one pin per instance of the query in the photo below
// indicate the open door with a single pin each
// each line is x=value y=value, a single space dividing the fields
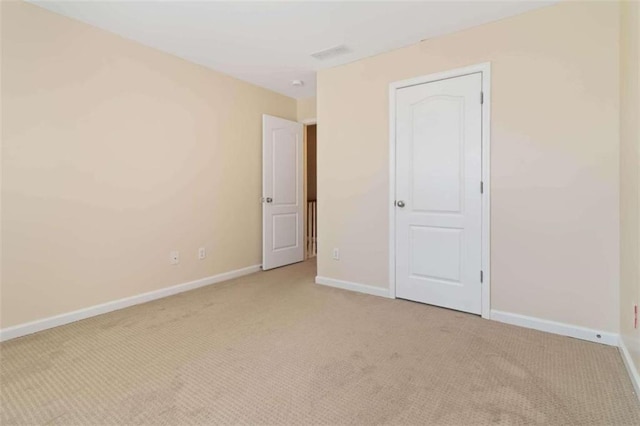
x=282 y=192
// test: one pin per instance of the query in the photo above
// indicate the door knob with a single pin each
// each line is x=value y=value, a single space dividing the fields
x=269 y=199
x=400 y=204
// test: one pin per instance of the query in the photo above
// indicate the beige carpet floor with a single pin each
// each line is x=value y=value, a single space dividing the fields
x=274 y=348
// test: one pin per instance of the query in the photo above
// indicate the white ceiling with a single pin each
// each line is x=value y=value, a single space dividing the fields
x=269 y=43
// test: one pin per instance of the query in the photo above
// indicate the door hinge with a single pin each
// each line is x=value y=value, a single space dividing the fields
x=481 y=276
x=481 y=187
x=481 y=97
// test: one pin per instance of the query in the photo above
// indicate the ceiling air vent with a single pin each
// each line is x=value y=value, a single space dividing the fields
x=332 y=52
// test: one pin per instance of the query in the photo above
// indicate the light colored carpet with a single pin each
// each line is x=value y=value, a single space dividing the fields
x=274 y=348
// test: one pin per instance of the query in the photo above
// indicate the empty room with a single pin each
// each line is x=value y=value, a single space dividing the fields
x=319 y=212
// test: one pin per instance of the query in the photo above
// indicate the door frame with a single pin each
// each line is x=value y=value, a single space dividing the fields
x=485 y=70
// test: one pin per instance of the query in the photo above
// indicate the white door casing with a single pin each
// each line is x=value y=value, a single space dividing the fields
x=438 y=177
x=282 y=192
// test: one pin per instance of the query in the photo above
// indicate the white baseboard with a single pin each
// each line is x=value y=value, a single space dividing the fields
x=69 y=317
x=347 y=285
x=634 y=374
x=562 y=329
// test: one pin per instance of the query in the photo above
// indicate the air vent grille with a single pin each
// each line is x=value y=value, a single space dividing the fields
x=332 y=52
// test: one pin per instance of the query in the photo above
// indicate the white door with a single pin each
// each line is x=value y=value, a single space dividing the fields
x=438 y=193
x=282 y=206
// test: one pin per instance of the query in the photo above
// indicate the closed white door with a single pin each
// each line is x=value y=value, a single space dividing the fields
x=438 y=193
x=282 y=205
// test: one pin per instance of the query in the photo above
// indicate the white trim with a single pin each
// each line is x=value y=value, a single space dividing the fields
x=309 y=121
x=392 y=190
x=347 y=285
x=631 y=367
x=485 y=70
x=486 y=199
x=575 y=331
x=69 y=317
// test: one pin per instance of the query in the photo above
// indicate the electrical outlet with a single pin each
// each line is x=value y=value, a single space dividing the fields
x=336 y=254
x=202 y=253
x=174 y=257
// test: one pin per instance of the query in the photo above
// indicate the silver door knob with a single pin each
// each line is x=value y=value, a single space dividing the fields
x=269 y=199
x=400 y=204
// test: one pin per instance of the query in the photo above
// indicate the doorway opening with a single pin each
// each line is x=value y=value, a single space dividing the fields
x=311 y=210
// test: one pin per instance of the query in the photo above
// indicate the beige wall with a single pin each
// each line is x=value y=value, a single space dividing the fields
x=113 y=154
x=630 y=176
x=306 y=109
x=554 y=159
